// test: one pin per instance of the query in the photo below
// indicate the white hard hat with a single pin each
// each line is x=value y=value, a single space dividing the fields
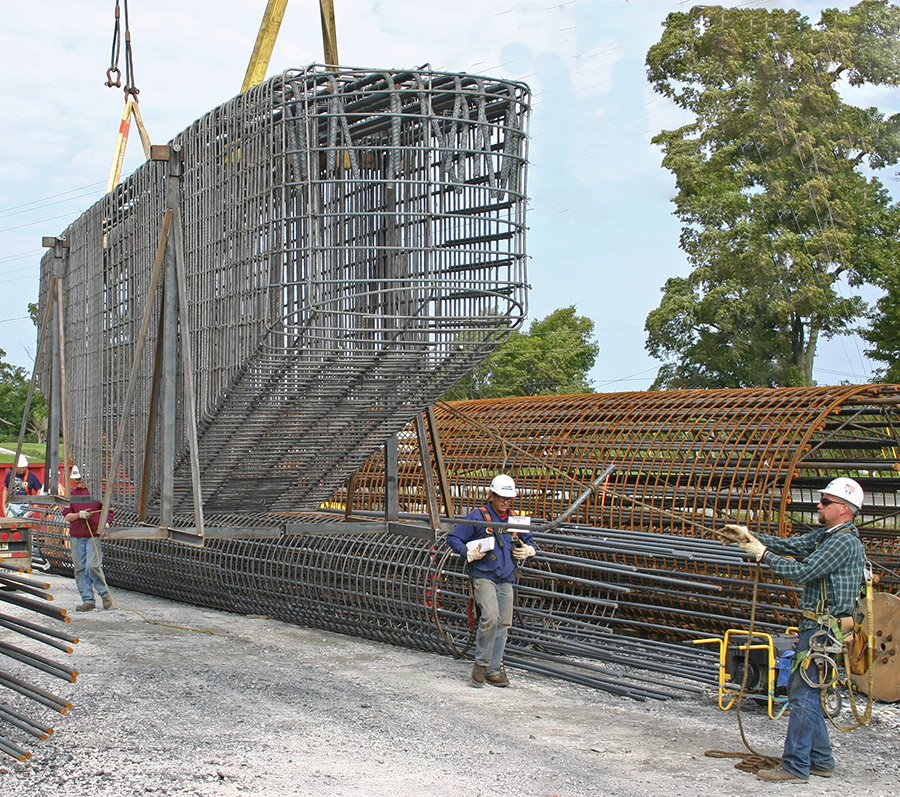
x=845 y=490
x=75 y=474
x=504 y=486
x=22 y=461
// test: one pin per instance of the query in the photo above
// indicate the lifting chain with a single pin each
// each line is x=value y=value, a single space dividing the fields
x=114 y=74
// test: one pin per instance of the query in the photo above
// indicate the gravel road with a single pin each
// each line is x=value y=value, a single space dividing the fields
x=260 y=707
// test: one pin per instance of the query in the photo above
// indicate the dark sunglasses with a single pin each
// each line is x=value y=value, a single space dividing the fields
x=827 y=501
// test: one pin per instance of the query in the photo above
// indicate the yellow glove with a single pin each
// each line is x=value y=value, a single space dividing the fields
x=734 y=533
x=522 y=552
x=474 y=554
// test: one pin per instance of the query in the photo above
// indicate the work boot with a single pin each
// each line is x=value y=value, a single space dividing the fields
x=478 y=674
x=821 y=771
x=87 y=606
x=107 y=602
x=499 y=679
x=780 y=775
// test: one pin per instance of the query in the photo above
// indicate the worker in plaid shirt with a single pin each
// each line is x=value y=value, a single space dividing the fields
x=830 y=563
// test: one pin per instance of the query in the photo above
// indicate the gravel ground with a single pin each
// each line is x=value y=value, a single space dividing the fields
x=260 y=707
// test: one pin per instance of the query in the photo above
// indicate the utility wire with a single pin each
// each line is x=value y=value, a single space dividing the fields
x=54 y=199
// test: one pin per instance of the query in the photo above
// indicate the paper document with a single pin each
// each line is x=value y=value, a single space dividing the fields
x=487 y=544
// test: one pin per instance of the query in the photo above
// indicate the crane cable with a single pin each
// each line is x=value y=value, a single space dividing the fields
x=114 y=80
x=114 y=74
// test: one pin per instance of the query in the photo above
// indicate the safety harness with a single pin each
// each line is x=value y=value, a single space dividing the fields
x=472 y=606
x=832 y=647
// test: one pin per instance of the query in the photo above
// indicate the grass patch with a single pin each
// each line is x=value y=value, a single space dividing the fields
x=34 y=451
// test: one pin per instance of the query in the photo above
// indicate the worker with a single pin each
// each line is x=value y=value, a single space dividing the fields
x=492 y=554
x=84 y=537
x=830 y=564
x=24 y=483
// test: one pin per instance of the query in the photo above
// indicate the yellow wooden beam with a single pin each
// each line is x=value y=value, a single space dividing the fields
x=265 y=43
x=329 y=34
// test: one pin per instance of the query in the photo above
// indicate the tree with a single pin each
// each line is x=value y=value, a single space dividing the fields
x=772 y=191
x=14 y=382
x=552 y=358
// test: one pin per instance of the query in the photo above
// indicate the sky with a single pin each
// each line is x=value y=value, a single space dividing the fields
x=602 y=234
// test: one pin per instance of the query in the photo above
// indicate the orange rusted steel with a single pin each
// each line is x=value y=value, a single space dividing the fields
x=687 y=462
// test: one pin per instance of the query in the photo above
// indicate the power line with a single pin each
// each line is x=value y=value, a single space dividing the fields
x=33 y=223
x=37 y=203
x=19 y=279
x=19 y=256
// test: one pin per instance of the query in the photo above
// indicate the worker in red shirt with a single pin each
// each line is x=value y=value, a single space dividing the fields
x=84 y=537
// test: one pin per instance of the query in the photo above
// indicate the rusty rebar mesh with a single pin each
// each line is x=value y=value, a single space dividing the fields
x=687 y=462
x=353 y=245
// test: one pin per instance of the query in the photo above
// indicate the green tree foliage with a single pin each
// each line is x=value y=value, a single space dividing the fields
x=14 y=382
x=552 y=358
x=884 y=332
x=773 y=194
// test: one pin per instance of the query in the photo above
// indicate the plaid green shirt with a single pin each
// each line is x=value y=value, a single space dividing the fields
x=834 y=556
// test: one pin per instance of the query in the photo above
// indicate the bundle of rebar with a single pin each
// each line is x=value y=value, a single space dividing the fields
x=573 y=600
x=25 y=595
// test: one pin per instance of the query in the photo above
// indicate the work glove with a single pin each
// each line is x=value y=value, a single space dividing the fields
x=753 y=547
x=84 y=514
x=474 y=554
x=522 y=552
x=734 y=533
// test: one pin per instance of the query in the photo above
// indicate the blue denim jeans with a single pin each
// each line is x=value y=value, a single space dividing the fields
x=807 y=741
x=87 y=558
x=495 y=602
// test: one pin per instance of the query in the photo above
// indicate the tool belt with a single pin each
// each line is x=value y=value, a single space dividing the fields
x=840 y=625
x=850 y=637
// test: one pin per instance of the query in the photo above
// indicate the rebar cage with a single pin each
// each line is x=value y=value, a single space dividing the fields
x=353 y=243
x=686 y=460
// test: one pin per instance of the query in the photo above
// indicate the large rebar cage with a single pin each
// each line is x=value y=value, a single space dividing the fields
x=353 y=244
x=686 y=461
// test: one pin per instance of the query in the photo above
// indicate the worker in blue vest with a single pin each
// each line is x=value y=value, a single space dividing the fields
x=492 y=553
